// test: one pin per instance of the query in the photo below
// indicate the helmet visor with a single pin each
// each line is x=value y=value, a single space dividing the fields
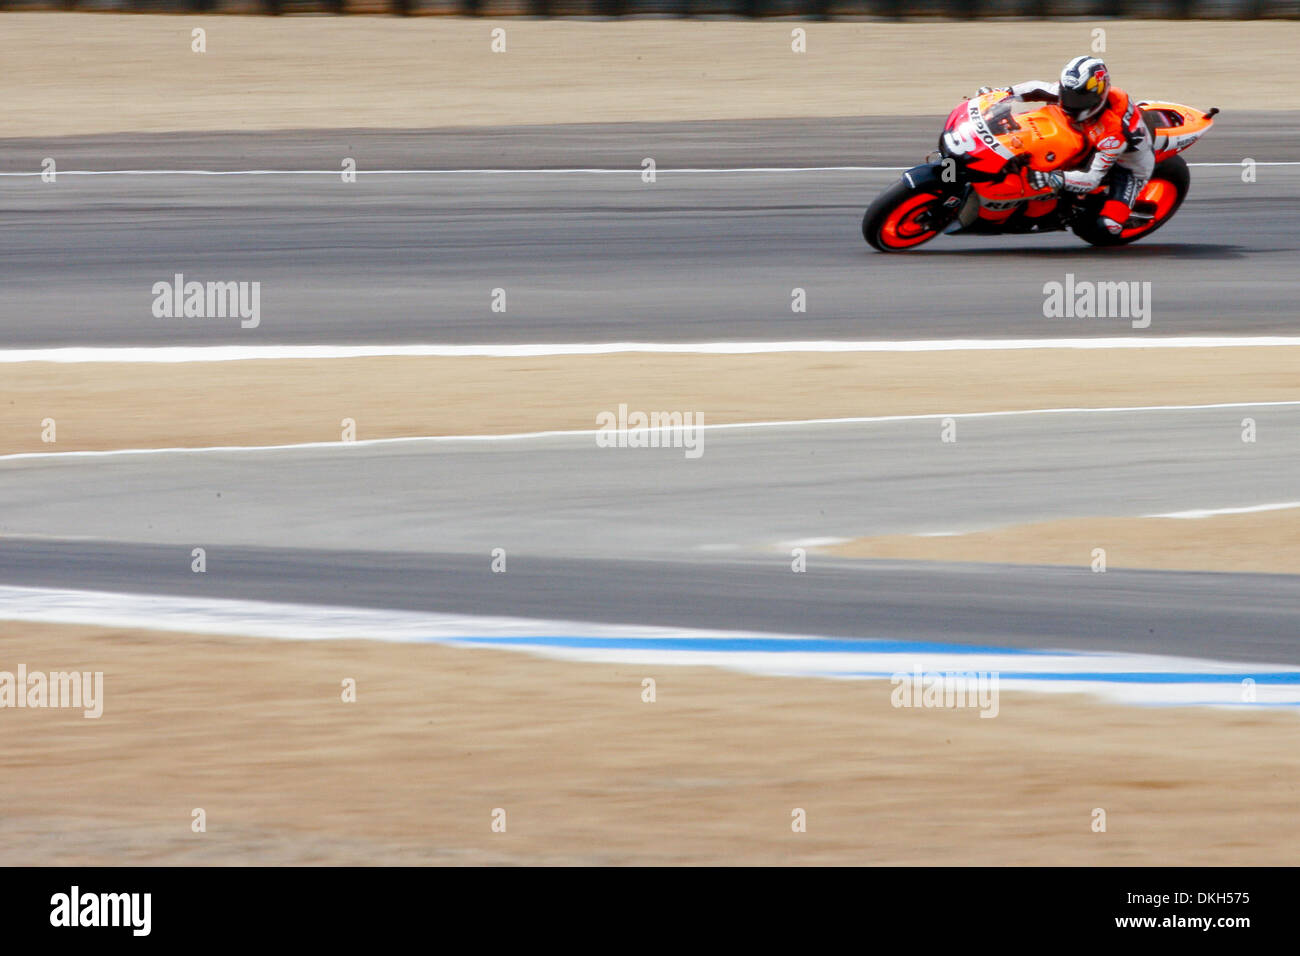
x=1080 y=103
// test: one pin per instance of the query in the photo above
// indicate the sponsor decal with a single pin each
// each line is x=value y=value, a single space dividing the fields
x=982 y=131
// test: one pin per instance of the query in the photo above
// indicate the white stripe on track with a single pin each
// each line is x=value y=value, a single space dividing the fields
x=1211 y=512
x=573 y=171
x=590 y=432
x=239 y=353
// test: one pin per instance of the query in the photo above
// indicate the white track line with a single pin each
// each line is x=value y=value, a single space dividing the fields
x=1211 y=512
x=574 y=171
x=590 y=432
x=238 y=353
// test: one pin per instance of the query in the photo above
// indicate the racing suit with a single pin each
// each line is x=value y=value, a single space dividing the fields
x=1122 y=146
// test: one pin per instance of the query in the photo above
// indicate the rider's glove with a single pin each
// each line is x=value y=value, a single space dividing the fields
x=1053 y=181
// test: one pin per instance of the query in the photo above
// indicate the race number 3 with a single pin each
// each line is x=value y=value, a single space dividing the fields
x=960 y=140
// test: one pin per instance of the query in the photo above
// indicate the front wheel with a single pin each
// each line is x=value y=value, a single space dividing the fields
x=1162 y=196
x=902 y=217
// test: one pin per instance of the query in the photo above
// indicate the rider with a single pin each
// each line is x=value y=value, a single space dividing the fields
x=1113 y=126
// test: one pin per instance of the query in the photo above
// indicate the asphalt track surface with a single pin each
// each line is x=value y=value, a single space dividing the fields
x=751 y=491
x=597 y=257
x=647 y=536
x=641 y=536
x=1228 y=617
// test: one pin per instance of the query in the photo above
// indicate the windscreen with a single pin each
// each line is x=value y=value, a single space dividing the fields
x=1001 y=118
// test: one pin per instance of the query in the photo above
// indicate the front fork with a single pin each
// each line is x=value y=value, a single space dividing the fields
x=957 y=196
x=966 y=206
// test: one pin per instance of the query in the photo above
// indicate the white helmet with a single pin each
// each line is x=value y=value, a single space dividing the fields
x=1085 y=82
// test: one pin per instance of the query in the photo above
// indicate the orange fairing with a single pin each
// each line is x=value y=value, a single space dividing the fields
x=1174 y=126
x=1048 y=140
x=1044 y=136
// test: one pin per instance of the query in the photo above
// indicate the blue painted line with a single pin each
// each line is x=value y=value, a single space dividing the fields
x=1116 y=677
x=784 y=645
x=775 y=645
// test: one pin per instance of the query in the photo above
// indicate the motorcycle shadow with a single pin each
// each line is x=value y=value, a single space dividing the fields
x=1138 y=250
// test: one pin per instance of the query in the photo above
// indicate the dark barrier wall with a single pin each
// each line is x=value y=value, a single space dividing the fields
x=818 y=9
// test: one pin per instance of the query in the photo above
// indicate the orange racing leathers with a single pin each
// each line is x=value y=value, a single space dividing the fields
x=1121 y=146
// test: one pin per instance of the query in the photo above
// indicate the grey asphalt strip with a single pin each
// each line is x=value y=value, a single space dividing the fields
x=841 y=141
x=1218 y=616
x=750 y=491
x=647 y=536
x=393 y=259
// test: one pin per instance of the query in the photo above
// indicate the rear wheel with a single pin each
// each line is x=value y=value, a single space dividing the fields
x=1162 y=196
x=903 y=217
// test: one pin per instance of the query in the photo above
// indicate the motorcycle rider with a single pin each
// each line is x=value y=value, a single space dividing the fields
x=1111 y=124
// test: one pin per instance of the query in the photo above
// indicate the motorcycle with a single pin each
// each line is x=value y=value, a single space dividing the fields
x=980 y=184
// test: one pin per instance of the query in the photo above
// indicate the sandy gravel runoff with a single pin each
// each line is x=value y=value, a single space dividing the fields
x=1266 y=542
x=81 y=73
x=256 y=734
x=266 y=402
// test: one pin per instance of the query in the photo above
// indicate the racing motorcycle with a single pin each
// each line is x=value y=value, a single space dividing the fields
x=980 y=182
